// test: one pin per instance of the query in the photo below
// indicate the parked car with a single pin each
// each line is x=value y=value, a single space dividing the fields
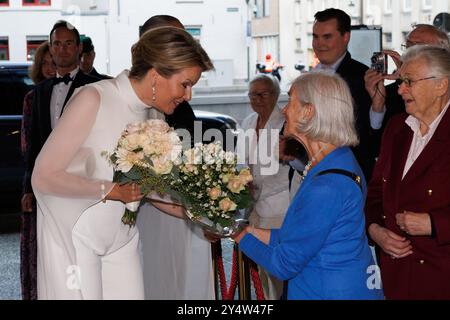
x=14 y=84
x=226 y=124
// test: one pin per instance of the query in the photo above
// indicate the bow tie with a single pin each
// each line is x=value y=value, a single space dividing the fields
x=66 y=79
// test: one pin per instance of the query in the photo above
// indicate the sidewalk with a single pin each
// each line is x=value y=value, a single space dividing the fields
x=10 y=263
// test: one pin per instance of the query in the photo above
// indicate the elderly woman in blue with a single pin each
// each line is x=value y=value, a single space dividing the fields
x=321 y=248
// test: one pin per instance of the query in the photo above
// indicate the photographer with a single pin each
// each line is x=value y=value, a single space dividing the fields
x=386 y=102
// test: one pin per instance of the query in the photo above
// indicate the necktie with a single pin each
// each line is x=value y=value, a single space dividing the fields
x=66 y=79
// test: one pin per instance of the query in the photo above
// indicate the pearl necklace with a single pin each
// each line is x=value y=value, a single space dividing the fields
x=310 y=162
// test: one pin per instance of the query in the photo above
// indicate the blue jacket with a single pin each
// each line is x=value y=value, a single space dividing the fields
x=321 y=248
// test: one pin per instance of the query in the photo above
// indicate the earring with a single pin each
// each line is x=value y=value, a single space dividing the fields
x=153 y=93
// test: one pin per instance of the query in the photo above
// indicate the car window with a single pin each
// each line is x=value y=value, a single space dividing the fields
x=14 y=85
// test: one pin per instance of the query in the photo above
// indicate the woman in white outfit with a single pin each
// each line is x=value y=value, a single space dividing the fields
x=84 y=250
x=262 y=129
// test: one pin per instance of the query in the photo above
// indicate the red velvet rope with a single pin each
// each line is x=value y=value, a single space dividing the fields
x=227 y=293
x=256 y=281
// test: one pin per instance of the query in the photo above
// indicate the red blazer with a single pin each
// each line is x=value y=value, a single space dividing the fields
x=426 y=188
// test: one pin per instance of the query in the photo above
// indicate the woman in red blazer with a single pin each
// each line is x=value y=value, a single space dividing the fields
x=408 y=203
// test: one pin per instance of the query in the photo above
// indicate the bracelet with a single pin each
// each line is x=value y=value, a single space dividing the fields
x=103 y=188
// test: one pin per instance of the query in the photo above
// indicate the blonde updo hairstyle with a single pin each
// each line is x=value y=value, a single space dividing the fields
x=168 y=50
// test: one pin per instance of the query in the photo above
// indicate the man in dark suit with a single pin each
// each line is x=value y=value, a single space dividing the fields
x=87 y=59
x=51 y=95
x=183 y=117
x=331 y=36
x=386 y=102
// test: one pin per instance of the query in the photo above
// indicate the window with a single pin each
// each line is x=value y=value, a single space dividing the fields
x=194 y=31
x=261 y=8
x=33 y=42
x=388 y=6
x=4 y=3
x=407 y=5
x=387 y=38
x=36 y=2
x=427 y=4
x=266 y=8
x=4 y=48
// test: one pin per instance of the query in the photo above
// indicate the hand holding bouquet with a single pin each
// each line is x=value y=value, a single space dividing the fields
x=146 y=153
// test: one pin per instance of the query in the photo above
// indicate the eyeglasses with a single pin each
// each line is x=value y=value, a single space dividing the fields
x=408 y=44
x=261 y=95
x=408 y=82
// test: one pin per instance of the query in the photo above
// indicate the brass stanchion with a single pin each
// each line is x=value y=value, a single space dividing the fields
x=244 y=275
x=216 y=249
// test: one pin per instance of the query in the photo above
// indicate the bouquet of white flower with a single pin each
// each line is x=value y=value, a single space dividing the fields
x=205 y=179
x=212 y=188
x=146 y=153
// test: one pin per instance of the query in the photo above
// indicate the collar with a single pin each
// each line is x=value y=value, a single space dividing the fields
x=333 y=66
x=414 y=123
x=72 y=73
x=129 y=95
x=328 y=162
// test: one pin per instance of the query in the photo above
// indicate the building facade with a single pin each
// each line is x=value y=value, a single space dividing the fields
x=113 y=25
x=292 y=29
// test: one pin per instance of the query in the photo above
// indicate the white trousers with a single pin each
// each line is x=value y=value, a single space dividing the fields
x=115 y=276
x=107 y=254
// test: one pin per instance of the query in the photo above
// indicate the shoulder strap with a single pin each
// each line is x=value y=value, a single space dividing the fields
x=351 y=175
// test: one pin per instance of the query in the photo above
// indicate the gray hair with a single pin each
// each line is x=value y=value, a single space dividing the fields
x=437 y=59
x=334 y=118
x=440 y=36
x=271 y=81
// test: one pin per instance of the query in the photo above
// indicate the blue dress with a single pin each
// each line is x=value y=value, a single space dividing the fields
x=322 y=248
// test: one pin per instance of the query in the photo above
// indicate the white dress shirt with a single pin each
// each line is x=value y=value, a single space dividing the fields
x=419 y=142
x=332 y=68
x=59 y=95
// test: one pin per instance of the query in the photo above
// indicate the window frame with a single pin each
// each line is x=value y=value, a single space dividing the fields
x=405 y=7
x=5 y=46
x=36 y=3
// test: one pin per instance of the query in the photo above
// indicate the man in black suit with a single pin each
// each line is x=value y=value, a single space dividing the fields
x=331 y=35
x=87 y=59
x=386 y=102
x=51 y=95
x=183 y=117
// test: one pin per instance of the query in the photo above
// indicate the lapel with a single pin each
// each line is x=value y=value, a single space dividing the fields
x=44 y=106
x=437 y=145
x=77 y=82
x=400 y=149
x=344 y=67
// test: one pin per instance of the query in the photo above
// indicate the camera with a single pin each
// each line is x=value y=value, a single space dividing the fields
x=379 y=62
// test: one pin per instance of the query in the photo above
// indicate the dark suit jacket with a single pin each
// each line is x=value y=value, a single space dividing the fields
x=100 y=76
x=353 y=73
x=40 y=127
x=394 y=105
x=425 y=189
x=182 y=118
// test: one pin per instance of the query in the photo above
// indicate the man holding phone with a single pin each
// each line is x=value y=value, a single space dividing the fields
x=386 y=102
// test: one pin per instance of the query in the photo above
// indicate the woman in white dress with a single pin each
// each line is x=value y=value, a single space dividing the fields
x=183 y=267
x=262 y=129
x=84 y=250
